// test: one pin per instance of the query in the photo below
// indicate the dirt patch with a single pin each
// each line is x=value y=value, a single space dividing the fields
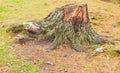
x=3 y=69
x=62 y=60
x=59 y=60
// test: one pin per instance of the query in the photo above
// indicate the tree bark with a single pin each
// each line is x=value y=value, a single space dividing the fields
x=70 y=22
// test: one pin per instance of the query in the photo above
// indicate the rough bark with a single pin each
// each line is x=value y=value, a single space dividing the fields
x=70 y=22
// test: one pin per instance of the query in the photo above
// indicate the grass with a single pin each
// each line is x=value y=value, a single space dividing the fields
x=21 y=66
x=62 y=67
x=111 y=52
x=15 y=2
x=7 y=58
x=115 y=1
x=3 y=47
x=40 y=62
x=15 y=11
x=3 y=9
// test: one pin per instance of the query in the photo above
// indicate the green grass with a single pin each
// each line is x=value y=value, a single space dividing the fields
x=62 y=67
x=4 y=43
x=14 y=11
x=22 y=66
x=3 y=18
x=3 y=9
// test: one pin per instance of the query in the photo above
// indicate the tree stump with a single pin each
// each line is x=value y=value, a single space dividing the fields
x=70 y=22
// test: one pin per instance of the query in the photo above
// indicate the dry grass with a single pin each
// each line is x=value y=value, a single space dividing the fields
x=38 y=58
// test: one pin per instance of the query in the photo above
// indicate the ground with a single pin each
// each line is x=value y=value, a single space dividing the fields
x=35 y=57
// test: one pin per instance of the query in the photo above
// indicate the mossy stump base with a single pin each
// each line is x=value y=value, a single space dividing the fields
x=70 y=22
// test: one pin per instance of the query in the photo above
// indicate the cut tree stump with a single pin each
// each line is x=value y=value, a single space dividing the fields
x=70 y=22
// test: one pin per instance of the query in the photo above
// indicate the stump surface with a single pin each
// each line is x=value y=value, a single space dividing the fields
x=70 y=22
